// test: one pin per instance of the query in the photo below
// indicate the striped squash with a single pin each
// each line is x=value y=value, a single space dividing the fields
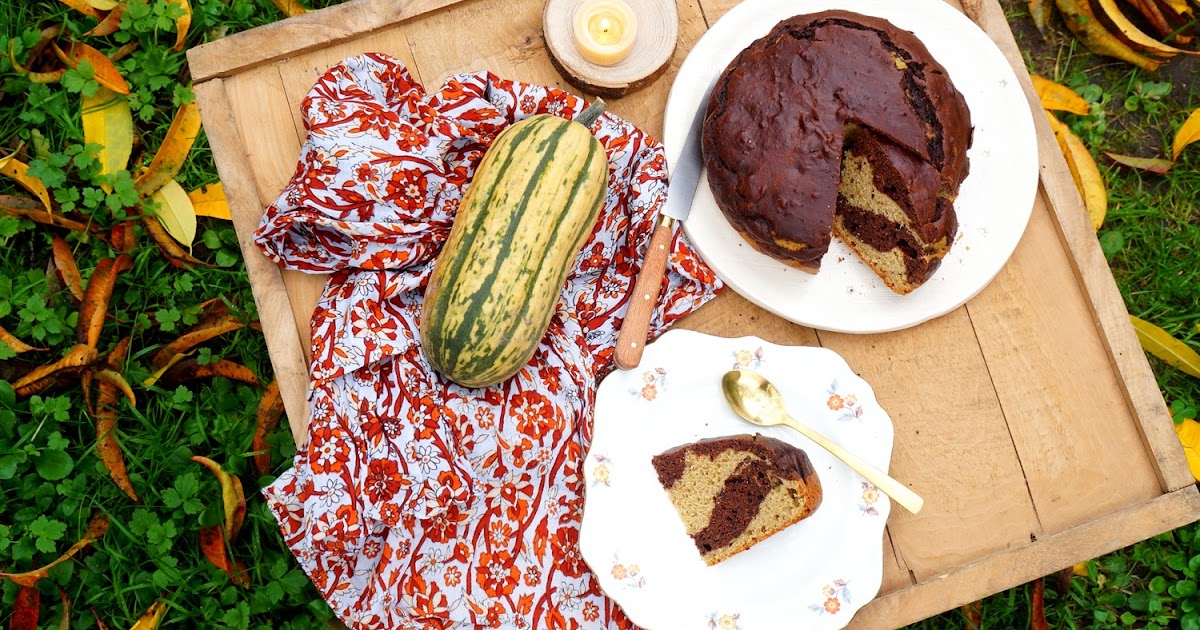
x=521 y=223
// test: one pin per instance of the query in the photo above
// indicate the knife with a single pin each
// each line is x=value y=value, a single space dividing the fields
x=685 y=176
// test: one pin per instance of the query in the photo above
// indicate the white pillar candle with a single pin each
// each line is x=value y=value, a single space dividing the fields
x=605 y=30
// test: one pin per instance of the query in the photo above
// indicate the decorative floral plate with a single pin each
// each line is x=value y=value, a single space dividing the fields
x=815 y=574
x=994 y=203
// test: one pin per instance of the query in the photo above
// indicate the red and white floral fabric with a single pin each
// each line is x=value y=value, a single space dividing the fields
x=417 y=502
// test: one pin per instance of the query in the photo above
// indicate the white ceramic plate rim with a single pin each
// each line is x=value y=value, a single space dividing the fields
x=994 y=204
x=779 y=583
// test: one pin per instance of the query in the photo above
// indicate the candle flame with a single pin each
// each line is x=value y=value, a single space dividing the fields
x=605 y=29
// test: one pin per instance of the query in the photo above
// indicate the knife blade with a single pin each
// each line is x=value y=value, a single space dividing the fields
x=685 y=176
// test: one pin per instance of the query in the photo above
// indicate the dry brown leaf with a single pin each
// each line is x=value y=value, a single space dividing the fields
x=107 y=447
x=1078 y=16
x=93 y=310
x=26 y=208
x=1152 y=165
x=1084 y=170
x=290 y=8
x=18 y=171
x=105 y=73
x=1188 y=133
x=1059 y=97
x=109 y=25
x=150 y=619
x=51 y=76
x=26 y=609
x=122 y=52
x=1041 y=11
x=68 y=271
x=17 y=345
x=232 y=499
x=83 y=7
x=169 y=248
x=1170 y=350
x=1134 y=35
x=1156 y=17
x=212 y=543
x=270 y=408
x=190 y=370
x=173 y=152
x=64 y=619
x=974 y=614
x=100 y=625
x=1037 y=619
x=195 y=336
x=182 y=23
x=123 y=237
x=158 y=374
x=75 y=361
x=209 y=201
x=96 y=528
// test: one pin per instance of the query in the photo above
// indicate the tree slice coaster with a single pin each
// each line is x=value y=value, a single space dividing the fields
x=657 y=33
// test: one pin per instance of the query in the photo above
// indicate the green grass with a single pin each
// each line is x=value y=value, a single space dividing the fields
x=1151 y=238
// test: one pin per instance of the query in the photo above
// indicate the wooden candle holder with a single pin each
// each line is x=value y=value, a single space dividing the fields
x=658 y=32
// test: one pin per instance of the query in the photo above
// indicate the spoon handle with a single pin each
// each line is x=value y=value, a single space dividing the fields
x=899 y=492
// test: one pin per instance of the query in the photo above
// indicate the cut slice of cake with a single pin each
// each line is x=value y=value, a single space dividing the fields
x=733 y=492
x=892 y=210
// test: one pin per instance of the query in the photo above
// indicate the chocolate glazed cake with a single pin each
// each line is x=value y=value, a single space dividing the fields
x=839 y=121
x=733 y=492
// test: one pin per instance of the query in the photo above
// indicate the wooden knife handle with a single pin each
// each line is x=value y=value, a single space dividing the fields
x=632 y=339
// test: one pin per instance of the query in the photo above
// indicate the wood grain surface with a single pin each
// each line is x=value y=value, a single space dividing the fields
x=1028 y=418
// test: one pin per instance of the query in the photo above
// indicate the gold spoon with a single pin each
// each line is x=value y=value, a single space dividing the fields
x=756 y=400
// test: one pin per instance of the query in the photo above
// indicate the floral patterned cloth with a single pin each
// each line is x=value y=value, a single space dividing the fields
x=417 y=502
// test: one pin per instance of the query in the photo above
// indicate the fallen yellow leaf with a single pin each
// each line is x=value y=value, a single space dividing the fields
x=173 y=152
x=1187 y=134
x=290 y=8
x=1189 y=435
x=108 y=121
x=106 y=73
x=1154 y=165
x=182 y=23
x=1080 y=569
x=16 y=345
x=175 y=212
x=153 y=378
x=1134 y=35
x=109 y=25
x=149 y=619
x=97 y=525
x=1161 y=344
x=83 y=7
x=1084 y=170
x=1078 y=16
x=1060 y=97
x=103 y=5
x=209 y=201
x=17 y=170
x=1041 y=10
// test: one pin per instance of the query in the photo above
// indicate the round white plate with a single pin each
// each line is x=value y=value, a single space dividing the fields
x=814 y=574
x=993 y=206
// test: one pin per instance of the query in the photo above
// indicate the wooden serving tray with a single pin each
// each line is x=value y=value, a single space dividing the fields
x=1028 y=418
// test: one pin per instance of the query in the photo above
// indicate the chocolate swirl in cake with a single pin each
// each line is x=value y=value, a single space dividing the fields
x=730 y=481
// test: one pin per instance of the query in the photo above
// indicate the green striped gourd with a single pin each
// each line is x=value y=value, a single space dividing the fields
x=521 y=223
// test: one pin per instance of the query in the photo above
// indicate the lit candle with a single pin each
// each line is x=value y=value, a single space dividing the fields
x=605 y=30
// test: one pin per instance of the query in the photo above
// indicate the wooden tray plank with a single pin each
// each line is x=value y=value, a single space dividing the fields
x=1030 y=561
x=317 y=29
x=1069 y=425
x=285 y=346
x=267 y=125
x=896 y=575
x=952 y=443
x=730 y=315
x=1137 y=381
